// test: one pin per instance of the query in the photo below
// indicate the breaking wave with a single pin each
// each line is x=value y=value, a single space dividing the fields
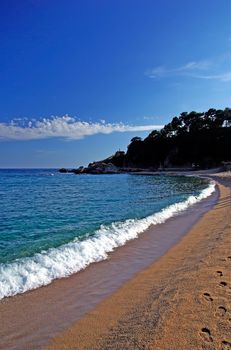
x=41 y=269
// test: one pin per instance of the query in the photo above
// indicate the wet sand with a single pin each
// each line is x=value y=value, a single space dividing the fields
x=181 y=301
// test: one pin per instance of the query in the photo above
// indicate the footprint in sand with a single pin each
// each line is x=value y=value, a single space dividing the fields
x=219 y=273
x=206 y=334
x=225 y=345
x=221 y=311
x=207 y=296
x=223 y=284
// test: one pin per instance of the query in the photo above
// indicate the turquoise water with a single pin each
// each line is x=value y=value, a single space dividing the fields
x=49 y=222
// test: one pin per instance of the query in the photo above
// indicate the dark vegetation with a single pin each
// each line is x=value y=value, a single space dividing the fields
x=198 y=140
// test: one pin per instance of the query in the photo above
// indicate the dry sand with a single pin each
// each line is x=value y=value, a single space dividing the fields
x=182 y=301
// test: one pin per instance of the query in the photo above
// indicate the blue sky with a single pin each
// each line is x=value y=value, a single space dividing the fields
x=79 y=79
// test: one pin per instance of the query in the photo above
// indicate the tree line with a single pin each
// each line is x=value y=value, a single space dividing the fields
x=190 y=140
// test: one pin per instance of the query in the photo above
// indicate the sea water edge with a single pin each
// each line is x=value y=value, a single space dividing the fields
x=92 y=245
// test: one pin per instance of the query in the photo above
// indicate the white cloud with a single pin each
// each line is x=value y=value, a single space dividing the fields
x=63 y=127
x=198 y=70
x=189 y=67
x=200 y=65
x=221 y=77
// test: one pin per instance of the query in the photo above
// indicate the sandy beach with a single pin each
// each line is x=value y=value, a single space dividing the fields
x=115 y=175
x=182 y=301
x=167 y=289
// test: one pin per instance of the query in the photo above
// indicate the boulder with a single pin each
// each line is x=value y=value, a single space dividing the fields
x=101 y=168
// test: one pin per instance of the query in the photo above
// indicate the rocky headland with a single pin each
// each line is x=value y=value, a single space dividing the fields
x=191 y=141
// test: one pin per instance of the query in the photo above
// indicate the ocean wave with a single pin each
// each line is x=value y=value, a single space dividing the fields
x=41 y=269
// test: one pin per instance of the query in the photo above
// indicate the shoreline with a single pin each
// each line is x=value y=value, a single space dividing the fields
x=181 y=300
x=74 y=254
x=31 y=320
x=58 y=301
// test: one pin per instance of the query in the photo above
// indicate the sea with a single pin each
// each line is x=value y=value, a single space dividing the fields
x=53 y=225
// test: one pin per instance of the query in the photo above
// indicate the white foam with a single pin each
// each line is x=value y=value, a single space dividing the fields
x=32 y=272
